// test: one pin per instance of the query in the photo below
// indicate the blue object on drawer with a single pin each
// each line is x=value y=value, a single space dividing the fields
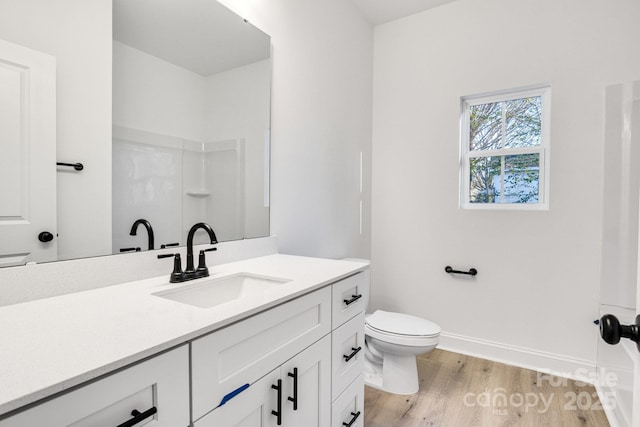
x=233 y=394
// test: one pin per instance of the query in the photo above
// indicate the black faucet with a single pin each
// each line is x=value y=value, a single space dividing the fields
x=147 y=225
x=202 y=271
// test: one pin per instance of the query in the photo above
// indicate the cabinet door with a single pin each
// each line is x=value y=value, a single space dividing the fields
x=161 y=383
x=251 y=408
x=307 y=386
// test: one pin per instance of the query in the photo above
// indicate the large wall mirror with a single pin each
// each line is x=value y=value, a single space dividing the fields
x=188 y=137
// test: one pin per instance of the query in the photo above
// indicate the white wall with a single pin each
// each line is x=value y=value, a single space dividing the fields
x=153 y=95
x=159 y=98
x=159 y=106
x=320 y=121
x=321 y=117
x=536 y=293
x=78 y=34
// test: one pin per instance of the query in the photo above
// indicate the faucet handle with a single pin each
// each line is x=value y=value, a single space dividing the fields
x=168 y=245
x=176 y=275
x=130 y=250
x=165 y=256
x=202 y=270
x=210 y=249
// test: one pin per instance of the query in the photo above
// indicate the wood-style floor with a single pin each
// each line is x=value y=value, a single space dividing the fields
x=461 y=391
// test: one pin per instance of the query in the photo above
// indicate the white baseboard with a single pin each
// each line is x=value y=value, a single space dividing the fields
x=548 y=363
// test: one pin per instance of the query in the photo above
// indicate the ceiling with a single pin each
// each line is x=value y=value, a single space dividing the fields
x=205 y=37
x=381 y=11
x=200 y=35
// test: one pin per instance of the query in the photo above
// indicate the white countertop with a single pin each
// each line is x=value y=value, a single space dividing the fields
x=52 y=344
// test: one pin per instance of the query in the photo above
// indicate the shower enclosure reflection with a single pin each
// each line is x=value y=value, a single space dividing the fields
x=175 y=183
x=191 y=112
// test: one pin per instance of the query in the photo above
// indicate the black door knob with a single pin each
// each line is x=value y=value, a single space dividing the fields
x=45 y=237
x=611 y=330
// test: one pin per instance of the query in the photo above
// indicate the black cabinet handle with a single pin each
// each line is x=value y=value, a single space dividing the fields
x=355 y=416
x=353 y=353
x=278 y=413
x=294 y=398
x=353 y=299
x=138 y=417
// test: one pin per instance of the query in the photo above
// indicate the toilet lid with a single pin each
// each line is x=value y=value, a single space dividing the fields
x=402 y=324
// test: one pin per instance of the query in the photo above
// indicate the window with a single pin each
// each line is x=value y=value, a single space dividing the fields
x=505 y=150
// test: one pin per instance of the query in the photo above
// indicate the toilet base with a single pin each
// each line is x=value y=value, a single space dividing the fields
x=396 y=374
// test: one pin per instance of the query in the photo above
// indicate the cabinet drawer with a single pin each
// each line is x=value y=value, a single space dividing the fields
x=348 y=409
x=349 y=297
x=250 y=408
x=161 y=382
x=241 y=353
x=347 y=342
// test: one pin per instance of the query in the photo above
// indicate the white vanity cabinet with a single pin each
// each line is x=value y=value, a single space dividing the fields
x=349 y=297
x=295 y=394
x=228 y=359
x=296 y=364
x=161 y=383
x=325 y=331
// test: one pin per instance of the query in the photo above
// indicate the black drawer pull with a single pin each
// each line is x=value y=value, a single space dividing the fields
x=353 y=299
x=294 y=398
x=278 y=413
x=353 y=353
x=138 y=417
x=353 y=420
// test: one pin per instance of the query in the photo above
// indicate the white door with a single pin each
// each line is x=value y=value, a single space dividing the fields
x=27 y=162
x=619 y=365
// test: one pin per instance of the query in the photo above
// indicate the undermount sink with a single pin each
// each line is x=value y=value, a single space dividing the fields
x=216 y=291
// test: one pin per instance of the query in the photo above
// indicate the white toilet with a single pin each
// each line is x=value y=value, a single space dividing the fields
x=392 y=342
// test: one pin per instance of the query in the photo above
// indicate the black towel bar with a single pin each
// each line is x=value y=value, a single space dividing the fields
x=471 y=272
x=76 y=166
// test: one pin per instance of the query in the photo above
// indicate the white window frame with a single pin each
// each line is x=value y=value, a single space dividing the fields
x=542 y=150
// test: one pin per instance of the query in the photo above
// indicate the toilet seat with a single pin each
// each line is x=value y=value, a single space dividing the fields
x=402 y=329
x=402 y=324
x=405 y=340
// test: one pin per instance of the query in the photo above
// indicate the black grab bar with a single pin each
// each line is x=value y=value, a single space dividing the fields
x=76 y=166
x=471 y=272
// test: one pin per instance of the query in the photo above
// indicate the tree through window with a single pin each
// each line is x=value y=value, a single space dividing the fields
x=505 y=144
